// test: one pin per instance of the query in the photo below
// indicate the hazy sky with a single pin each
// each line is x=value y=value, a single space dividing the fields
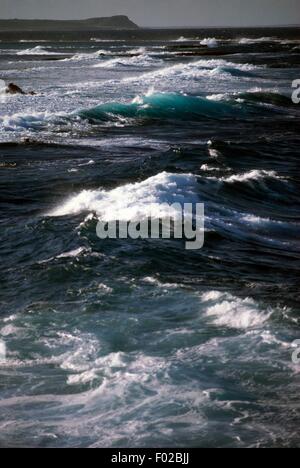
x=162 y=12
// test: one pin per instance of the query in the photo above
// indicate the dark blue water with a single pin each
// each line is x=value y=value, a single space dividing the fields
x=140 y=342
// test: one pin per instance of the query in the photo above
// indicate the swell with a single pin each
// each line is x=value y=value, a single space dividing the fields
x=272 y=98
x=163 y=106
x=184 y=107
x=153 y=197
x=158 y=106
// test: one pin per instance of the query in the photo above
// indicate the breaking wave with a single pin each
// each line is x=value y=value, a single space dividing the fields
x=214 y=68
x=184 y=39
x=138 y=60
x=254 y=175
x=133 y=202
x=229 y=311
x=163 y=106
x=38 y=50
x=209 y=42
x=152 y=105
x=88 y=56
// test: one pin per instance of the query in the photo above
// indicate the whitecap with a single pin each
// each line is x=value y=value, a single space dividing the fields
x=139 y=60
x=209 y=42
x=234 y=312
x=254 y=175
x=201 y=68
x=88 y=56
x=257 y=40
x=136 y=201
x=38 y=50
x=183 y=39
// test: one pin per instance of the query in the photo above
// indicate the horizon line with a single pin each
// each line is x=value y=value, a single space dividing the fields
x=175 y=26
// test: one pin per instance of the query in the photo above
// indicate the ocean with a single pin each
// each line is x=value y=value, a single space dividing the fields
x=142 y=343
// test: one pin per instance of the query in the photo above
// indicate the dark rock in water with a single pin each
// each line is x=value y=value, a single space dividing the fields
x=14 y=89
x=30 y=141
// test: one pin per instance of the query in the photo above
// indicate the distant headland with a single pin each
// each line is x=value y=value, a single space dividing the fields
x=112 y=22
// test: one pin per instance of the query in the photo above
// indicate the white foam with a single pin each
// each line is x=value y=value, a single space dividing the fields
x=72 y=253
x=88 y=56
x=23 y=121
x=217 y=97
x=254 y=175
x=80 y=359
x=2 y=351
x=258 y=220
x=209 y=42
x=8 y=330
x=200 y=68
x=234 y=312
x=128 y=141
x=83 y=378
x=139 y=51
x=207 y=168
x=247 y=40
x=3 y=94
x=134 y=202
x=2 y=86
x=183 y=39
x=96 y=39
x=139 y=60
x=156 y=282
x=34 y=120
x=105 y=289
x=25 y=41
x=214 y=154
x=11 y=318
x=212 y=295
x=89 y=163
x=38 y=50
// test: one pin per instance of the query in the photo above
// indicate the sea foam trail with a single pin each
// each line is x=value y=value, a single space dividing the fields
x=133 y=202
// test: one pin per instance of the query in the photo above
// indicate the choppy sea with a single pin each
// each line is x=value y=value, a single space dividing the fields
x=135 y=343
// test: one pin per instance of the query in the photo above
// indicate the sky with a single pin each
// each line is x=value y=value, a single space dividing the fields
x=162 y=13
